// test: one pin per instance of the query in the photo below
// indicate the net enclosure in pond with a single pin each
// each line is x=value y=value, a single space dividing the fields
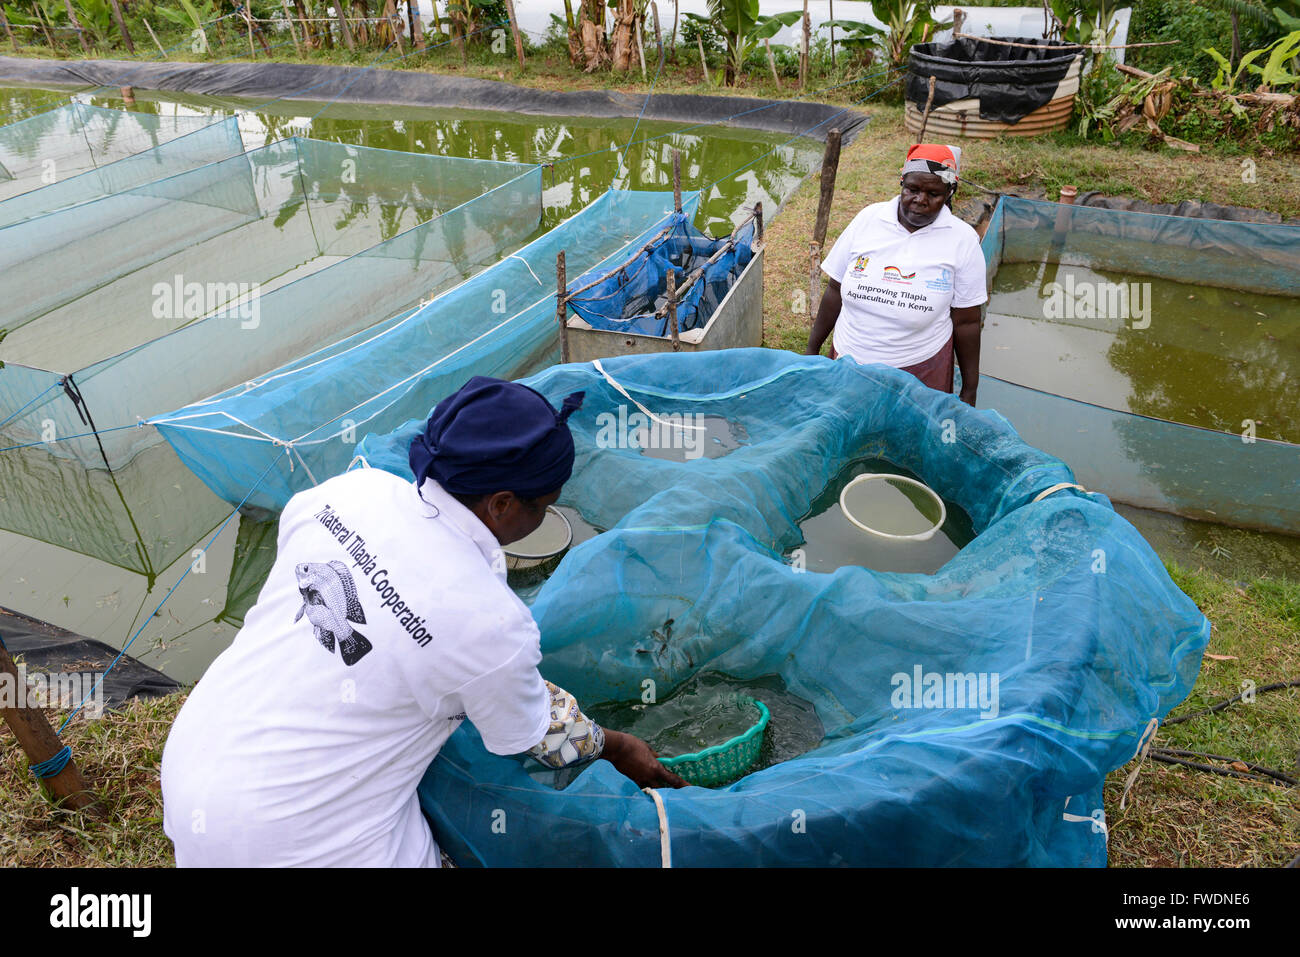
x=182 y=143
x=146 y=300
x=1156 y=354
x=70 y=140
x=301 y=419
x=971 y=716
x=634 y=297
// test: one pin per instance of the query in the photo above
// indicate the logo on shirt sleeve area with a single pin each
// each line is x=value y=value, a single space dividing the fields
x=330 y=603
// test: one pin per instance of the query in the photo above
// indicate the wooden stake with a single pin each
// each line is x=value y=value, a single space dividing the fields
x=672 y=311
x=640 y=49
x=344 y=30
x=758 y=223
x=155 y=38
x=804 y=49
x=562 y=305
x=40 y=743
x=4 y=21
x=703 y=63
x=925 y=117
x=830 y=168
x=771 y=61
x=81 y=34
x=417 y=28
x=514 y=30
x=677 y=180
x=659 y=37
x=45 y=26
x=288 y=19
x=832 y=16
x=121 y=26
x=390 y=11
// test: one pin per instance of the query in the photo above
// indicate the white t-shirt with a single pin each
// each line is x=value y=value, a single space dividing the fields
x=897 y=287
x=384 y=623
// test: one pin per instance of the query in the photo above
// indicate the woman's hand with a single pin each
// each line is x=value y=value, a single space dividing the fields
x=636 y=760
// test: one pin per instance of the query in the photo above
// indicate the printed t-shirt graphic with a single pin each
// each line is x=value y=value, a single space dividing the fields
x=898 y=288
x=330 y=602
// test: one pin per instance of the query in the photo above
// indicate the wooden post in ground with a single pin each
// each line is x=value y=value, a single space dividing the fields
x=804 y=49
x=677 y=181
x=562 y=305
x=154 y=37
x=413 y=20
x=758 y=223
x=288 y=20
x=394 y=25
x=830 y=168
x=659 y=36
x=832 y=18
x=76 y=25
x=771 y=61
x=703 y=63
x=4 y=21
x=121 y=26
x=640 y=48
x=40 y=743
x=345 y=31
x=45 y=26
x=925 y=117
x=672 y=311
x=514 y=30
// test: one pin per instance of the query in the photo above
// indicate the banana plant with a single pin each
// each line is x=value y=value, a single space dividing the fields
x=742 y=27
x=907 y=23
x=193 y=14
x=1272 y=74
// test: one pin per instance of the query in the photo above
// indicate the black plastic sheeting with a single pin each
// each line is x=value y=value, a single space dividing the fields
x=374 y=85
x=1010 y=82
x=46 y=648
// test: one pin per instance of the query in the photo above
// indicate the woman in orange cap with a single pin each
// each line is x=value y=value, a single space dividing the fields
x=906 y=280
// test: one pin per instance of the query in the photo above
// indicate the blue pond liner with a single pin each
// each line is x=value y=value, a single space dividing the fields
x=1060 y=598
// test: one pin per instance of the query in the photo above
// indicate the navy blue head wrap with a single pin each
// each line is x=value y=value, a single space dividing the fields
x=496 y=436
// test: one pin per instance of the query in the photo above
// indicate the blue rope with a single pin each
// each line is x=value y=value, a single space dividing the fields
x=32 y=402
x=65 y=438
x=54 y=765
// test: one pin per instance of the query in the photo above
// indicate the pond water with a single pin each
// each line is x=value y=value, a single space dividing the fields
x=831 y=541
x=589 y=155
x=1196 y=354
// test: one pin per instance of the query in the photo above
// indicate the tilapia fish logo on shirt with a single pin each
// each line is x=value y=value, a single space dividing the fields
x=330 y=602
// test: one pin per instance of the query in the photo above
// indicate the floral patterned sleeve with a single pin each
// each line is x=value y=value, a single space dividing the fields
x=572 y=738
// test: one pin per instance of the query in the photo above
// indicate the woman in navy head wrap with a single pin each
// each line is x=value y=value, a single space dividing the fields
x=501 y=450
x=388 y=609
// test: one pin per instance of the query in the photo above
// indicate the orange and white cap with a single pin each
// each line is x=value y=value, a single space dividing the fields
x=942 y=161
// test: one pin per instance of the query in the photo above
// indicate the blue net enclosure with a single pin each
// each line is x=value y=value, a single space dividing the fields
x=187 y=286
x=634 y=297
x=183 y=151
x=73 y=139
x=1057 y=604
x=1155 y=354
x=302 y=419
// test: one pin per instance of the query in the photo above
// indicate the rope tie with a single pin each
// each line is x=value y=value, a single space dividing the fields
x=623 y=392
x=1144 y=746
x=665 y=842
x=53 y=766
x=1060 y=486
